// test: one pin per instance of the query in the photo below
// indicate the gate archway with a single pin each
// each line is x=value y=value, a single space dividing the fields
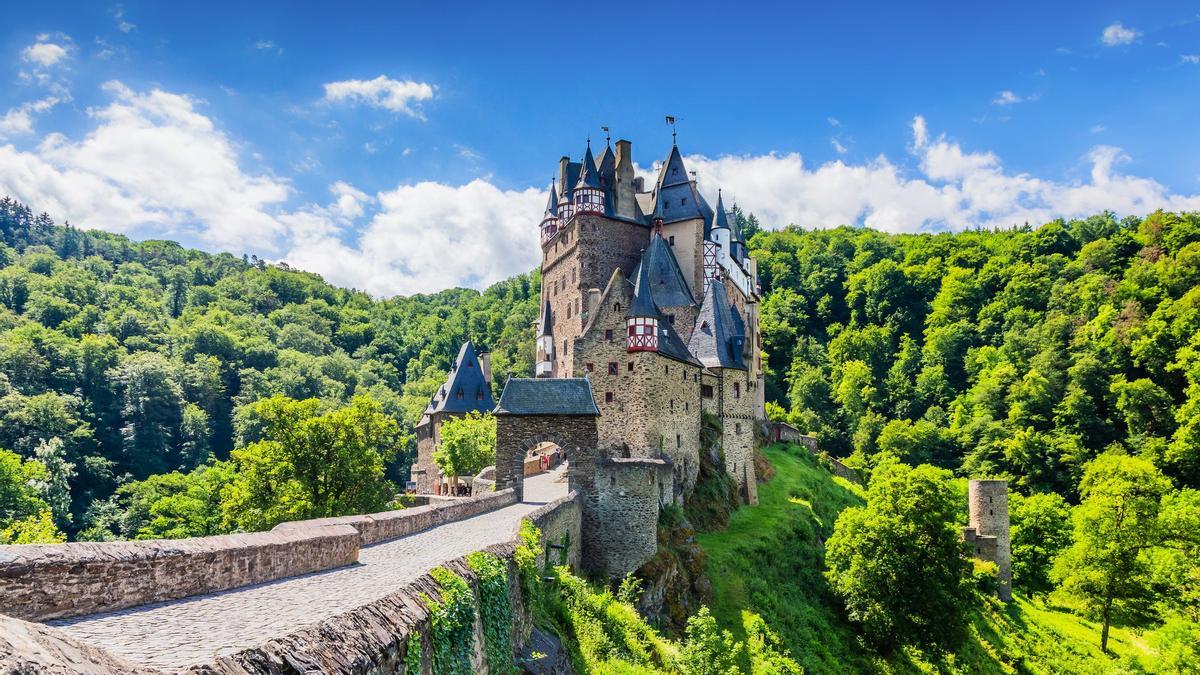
x=545 y=410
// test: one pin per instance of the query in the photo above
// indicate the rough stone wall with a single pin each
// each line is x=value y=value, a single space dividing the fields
x=580 y=257
x=39 y=582
x=35 y=649
x=560 y=523
x=988 y=506
x=621 y=526
x=655 y=406
x=378 y=527
x=737 y=422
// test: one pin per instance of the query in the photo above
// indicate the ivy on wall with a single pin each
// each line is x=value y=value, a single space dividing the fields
x=495 y=610
x=452 y=622
x=412 y=655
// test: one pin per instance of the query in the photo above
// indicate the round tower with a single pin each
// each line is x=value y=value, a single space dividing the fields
x=641 y=323
x=550 y=218
x=988 y=504
x=588 y=193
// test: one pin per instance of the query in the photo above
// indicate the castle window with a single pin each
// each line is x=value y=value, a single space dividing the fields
x=479 y=395
x=608 y=397
x=570 y=307
x=564 y=345
x=612 y=368
x=608 y=334
x=591 y=367
x=671 y=319
x=616 y=306
x=458 y=394
x=666 y=369
x=672 y=405
x=685 y=406
x=671 y=240
x=737 y=390
x=706 y=390
x=737 y=428
x=629 y=366
x=678 y=441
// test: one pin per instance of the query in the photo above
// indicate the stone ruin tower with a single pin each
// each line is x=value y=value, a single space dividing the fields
x=988 y=532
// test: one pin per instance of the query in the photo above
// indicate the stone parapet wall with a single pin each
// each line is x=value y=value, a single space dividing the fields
x=39 y=582
x=369 y=640
x=378 y=527
x=560 y=523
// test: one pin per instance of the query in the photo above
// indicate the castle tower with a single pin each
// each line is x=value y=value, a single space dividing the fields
x=545 y=342
x=588 y=194
x=988 y=505
x=550 y=218
x=641 y=324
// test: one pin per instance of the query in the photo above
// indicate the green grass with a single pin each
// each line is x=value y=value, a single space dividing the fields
x=770 y=561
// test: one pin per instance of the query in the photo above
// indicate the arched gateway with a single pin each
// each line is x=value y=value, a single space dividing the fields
x=620 y=497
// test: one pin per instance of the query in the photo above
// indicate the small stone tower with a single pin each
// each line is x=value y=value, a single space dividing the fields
x=988 y=532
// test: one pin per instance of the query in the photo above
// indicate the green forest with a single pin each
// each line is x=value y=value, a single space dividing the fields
x=148 y=390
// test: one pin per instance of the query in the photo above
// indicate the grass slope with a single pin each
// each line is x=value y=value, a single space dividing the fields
x=770 y=560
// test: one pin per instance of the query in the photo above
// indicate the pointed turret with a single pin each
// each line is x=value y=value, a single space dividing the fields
x=607 y=167
x=545 y=341
x=466 y=388
x=675 y=193
x=588 y=193
x=718 y=338
x=550 y=218
x=720 y=218
x=641 y=323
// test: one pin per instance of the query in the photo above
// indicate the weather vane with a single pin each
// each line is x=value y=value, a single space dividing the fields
x=671 y=121
x=607 y=136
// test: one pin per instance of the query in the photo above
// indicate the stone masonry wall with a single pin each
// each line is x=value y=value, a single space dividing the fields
x=737 y=421
x=39 y=582
x=377 y=527
x=620 y=521
x=988 y=508
x=370 y=640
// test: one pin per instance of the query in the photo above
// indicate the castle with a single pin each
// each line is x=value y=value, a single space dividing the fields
x=652 y=296
x=468 y=388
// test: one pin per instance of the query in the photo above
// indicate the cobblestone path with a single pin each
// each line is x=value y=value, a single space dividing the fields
x=175 y=634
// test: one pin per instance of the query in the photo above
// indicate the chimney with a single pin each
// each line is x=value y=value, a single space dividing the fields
x=485 y=363
x=562 y=174
x=639 y=185
x=625 y=188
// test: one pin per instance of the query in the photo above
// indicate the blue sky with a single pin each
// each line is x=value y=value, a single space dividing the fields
x=403 y=148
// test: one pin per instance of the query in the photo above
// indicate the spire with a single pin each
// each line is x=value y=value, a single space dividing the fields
x=545 y=328
x=552 y=202
x=642 y=305
x=673 y=171
x=588 y=174
x=720 y=218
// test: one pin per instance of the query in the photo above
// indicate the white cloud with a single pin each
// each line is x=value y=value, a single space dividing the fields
x=44 y=54
x=429 y=236
x=1190 y=58
x=152 y=166
x=1007 y=97
x=381 y=92
x=268 y=46
x=1117 y=34
x=841 y=149
x=833 y=121
x=954 y=189
x=1098 y=128
x=19 y=120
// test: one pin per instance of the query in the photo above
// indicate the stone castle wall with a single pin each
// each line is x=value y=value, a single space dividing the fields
x=620 y=520
x=688 y=245
x=737 y=424
x=39 y=582
x=54 y=581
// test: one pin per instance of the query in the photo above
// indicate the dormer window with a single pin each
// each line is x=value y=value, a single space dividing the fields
x=479 y=395
x=459 y=394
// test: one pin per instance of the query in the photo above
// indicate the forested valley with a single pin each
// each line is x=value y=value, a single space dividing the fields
x=148 y=390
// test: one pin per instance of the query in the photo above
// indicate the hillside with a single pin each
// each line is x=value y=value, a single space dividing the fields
x=770 y=561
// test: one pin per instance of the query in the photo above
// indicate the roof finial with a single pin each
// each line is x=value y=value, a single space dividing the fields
x=607 y=137
x=671 y=121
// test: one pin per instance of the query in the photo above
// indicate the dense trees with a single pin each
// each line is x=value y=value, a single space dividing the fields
x=898 y=562
x=141 y=359
x=468 y=444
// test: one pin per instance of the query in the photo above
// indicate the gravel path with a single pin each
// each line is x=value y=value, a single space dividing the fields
x=173 y=635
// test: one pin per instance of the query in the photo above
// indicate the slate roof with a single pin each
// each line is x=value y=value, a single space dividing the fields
x=665 y=280
x=545 y=325
x=607 y=167
x=643 y=303
x=547 y=396
x=715 y=339
x=552 y=200
x=675 y=194
x=589 y=176
x=720 y=218
x=466 y=376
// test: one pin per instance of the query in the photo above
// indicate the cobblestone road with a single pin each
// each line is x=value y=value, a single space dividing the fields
x=173 y=635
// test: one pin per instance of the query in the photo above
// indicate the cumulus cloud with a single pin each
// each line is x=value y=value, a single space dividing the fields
x=152 y=166
x=44 y=54
x=1007 y=97
x=954 y=189
x=19 y=120
x=424 y=237
x=1117 y=34
x=381 y=92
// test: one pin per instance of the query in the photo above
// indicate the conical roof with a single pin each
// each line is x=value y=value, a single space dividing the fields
x=466 y=388
x=607 y=167
x=643 y=304
x=589 y=176
x=673 y=171
x=675 y=194
x=552 y=201
x=720 y=218
x=545 y=326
